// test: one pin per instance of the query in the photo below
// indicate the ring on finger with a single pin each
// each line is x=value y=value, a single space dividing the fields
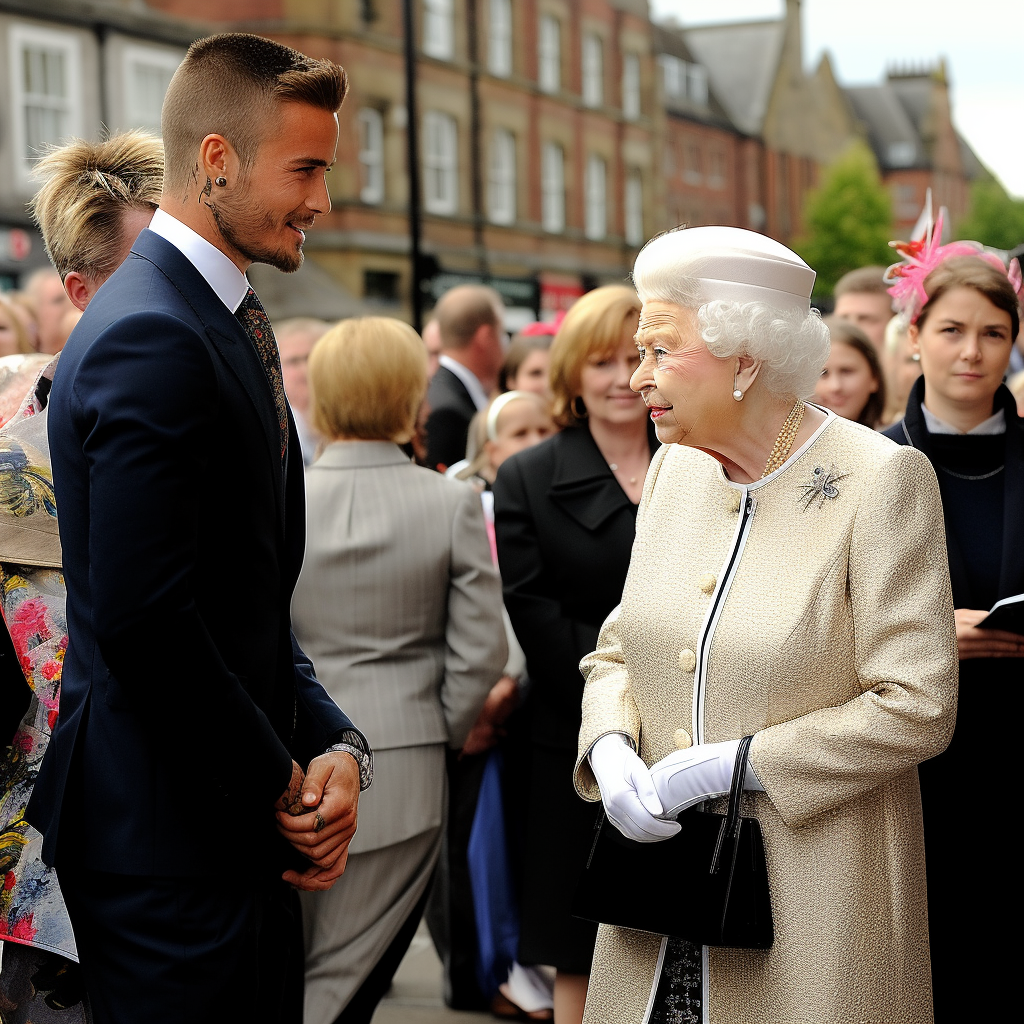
x=318 y=822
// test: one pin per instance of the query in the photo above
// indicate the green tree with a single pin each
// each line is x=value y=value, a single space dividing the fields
x=994 y=218
x=847 y=221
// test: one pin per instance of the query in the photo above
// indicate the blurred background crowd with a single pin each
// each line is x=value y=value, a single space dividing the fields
x=475 y=453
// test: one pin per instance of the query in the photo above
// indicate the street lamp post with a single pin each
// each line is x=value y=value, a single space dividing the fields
x=412 y=146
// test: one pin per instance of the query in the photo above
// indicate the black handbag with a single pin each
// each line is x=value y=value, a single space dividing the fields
x=708 y=884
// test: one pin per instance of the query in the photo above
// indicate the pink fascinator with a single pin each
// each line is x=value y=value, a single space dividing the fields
x=921 y=256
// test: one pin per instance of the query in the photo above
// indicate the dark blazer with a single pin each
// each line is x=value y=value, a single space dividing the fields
x=913 y=431
x=451 y=409
x=565 y=531
x=184 y=696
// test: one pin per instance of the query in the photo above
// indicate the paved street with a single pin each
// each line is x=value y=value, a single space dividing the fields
x=415 y=996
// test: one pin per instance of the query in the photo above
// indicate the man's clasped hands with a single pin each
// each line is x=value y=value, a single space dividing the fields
x=317 y=815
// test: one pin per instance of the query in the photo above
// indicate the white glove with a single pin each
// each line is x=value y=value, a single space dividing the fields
x=628 y=794
x=686 y=777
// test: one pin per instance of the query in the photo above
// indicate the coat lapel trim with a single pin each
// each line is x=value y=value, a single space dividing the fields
x=582 y=484
x=1011 y=575
x=226 y=335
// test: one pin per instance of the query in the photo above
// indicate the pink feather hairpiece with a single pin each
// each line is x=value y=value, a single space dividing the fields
x=920 y=257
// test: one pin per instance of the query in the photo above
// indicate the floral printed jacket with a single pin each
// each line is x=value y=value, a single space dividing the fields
x=32 y=599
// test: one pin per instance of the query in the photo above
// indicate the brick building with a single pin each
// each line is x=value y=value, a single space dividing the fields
x=908 y=123
x=555 y=136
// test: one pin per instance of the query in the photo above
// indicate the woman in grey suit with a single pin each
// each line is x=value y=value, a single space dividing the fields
x=400 y=608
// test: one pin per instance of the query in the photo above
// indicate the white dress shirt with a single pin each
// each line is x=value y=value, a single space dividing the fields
x=995 y=424
x=227 y=281
x=470 y=379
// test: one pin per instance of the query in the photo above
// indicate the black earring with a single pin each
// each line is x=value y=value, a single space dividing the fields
x=221 y=181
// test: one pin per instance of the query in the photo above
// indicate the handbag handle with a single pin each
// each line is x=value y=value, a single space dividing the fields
x=731 y=825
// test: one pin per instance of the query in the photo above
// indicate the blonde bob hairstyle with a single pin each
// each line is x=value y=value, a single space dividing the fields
x=367 y=378
x=591 y=330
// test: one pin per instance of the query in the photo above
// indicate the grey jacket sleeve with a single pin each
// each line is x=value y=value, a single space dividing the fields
x=475 y=646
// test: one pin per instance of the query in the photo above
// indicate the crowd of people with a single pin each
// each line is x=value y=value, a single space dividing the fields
x=457 y=588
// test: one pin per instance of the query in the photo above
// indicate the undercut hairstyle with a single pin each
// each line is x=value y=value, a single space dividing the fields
x=230 y=85
x=862 y=281
x=592 y=330
x=463 y=310
x=843 y=332
x=88 y=187
x=971 y=272
x=367 y=379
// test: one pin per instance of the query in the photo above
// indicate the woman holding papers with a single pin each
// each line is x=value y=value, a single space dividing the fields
x=962 y=308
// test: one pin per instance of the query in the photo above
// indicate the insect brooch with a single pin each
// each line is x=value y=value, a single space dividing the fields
x=821 y=486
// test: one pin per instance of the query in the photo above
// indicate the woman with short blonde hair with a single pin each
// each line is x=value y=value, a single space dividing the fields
x=399 y=606
x=367 y=378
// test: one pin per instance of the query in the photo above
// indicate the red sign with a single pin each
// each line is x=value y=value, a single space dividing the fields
x=17 y=243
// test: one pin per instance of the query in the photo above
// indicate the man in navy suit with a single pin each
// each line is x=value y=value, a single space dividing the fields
x=173 y=797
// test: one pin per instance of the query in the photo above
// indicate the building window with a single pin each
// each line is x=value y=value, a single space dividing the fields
x=593 y=70
x=552 y=185
x=683 y=80
x=371 y=155
x=631 y=86
x=46 y=88
x=380 y=286
x=901 y=154
x=438 y=29
x=147 y=73
x=907 y=205
x=440 y=163
x=634 y=209
x=716 y=171
x=697 y=84
x=549 y=54
x=499 y=42
x=596 y=215
x=692 y=170
x=501 y=184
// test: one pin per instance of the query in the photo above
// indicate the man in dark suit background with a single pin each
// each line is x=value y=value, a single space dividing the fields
x=469 y=317
x=172 y=797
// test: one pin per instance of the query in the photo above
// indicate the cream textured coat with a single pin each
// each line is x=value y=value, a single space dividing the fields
x=818 y=619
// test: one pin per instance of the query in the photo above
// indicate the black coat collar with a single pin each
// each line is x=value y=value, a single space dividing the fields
x=226 y=334
x=914 y=431
x=582 y=483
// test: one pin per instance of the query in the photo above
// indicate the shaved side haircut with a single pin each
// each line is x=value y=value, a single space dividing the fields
x=230 y=85
x=87 y=189
x=463 y=310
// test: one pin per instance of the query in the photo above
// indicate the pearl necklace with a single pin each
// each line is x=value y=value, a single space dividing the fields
x=784 y=442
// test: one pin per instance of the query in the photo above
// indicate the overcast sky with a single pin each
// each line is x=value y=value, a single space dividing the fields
x=982 y=41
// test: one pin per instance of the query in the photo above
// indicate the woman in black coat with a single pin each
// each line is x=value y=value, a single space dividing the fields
x=965 y=420
x=565 y=514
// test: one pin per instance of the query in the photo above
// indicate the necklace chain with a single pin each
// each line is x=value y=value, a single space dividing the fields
x=784 y=442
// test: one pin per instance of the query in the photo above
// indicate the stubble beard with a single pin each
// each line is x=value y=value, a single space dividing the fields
x=239 y=228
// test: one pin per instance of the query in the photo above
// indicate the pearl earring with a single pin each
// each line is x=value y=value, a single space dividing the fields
x=738 y=395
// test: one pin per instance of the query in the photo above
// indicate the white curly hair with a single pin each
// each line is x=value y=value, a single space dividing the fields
x=751 y=295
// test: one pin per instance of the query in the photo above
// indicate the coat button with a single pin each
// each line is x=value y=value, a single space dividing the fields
x=687 y=660
x=682 y=739
x=707 y=582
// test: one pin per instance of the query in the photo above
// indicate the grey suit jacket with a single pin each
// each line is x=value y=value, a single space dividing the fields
x=398 y=603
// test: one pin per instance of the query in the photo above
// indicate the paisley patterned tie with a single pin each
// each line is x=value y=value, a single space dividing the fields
x=256 y=324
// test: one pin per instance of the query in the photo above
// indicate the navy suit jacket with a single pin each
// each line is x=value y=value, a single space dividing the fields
x=184 y=696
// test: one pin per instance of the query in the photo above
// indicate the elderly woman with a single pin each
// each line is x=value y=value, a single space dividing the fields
x=788 y=582
x=399 y=607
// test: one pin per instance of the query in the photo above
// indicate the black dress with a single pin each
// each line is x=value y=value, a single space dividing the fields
x=972 y=873
x=564 y=531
